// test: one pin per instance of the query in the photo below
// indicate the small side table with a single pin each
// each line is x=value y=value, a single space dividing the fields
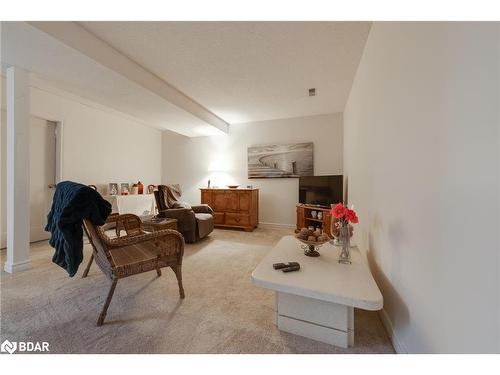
x=153 y=225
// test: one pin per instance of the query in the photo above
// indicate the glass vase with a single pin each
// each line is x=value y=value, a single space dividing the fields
x=344 y=239
x=335 y=232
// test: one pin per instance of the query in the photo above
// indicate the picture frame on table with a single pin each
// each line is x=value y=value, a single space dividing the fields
x=113 y=188
x=125 y=188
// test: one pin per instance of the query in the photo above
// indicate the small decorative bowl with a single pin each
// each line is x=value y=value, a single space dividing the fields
x=311 y=247
x=233 y=186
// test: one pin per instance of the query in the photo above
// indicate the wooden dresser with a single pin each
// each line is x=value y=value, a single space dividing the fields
x=233 y=208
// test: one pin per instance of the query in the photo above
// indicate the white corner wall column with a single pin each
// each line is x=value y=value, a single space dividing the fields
x=18 y=170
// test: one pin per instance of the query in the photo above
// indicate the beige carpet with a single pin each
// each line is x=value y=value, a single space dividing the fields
x=222 y=313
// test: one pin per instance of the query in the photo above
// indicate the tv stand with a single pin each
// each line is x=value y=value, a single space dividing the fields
x=315 y=206
x=305 y=219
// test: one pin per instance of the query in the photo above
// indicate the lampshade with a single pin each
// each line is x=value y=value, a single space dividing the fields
x=217 y=166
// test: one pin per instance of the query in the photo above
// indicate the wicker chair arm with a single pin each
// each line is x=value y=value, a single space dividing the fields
x=113 y=218
x=136 y=239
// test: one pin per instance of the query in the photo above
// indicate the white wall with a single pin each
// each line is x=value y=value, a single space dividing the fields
x=187 y=160
x=99 y=145
x=422 y=161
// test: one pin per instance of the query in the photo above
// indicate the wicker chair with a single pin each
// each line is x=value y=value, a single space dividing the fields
x=135 y=253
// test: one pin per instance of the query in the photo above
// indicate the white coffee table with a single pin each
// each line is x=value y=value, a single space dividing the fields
x=318 y=300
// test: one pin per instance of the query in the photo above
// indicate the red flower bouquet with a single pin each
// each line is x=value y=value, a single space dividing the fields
x=342 y=229
x=343 y=213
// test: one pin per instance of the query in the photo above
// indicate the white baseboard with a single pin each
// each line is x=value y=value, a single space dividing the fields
x=17 y=267
x=398 y=344
x=276 y=225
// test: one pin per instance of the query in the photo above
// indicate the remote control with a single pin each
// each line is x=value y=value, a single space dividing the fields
x=291 y=268
x=278 y=266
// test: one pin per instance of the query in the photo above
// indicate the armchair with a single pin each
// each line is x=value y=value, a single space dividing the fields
x=135 y=253
x=194 y=222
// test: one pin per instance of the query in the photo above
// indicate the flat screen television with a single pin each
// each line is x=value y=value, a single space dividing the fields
x=321 y=190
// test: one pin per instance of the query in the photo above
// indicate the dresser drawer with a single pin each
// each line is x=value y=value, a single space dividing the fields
x=237 y=219
x=219 y=217
x=225 y=200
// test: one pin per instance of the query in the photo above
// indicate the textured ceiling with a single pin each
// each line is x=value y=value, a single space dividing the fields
x=69 y=70
x=241 y=71
x=247 y=71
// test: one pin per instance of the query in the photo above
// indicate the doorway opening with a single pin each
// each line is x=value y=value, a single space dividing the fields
x=45 y=172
